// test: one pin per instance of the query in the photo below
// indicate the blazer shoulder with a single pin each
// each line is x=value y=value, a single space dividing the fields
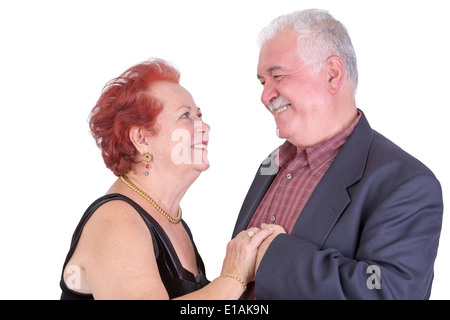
x=386 y=154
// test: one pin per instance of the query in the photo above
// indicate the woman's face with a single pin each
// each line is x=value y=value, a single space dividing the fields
x=182 y=136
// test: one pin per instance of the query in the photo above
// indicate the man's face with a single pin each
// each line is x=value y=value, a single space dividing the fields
x=296 y=98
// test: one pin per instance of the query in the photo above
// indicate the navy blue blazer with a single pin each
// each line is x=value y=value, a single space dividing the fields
x=370 y=230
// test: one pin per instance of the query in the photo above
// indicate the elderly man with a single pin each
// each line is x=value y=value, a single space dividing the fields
x=355 y=217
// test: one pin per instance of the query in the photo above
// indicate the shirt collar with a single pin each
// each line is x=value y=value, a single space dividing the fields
x=318 y=155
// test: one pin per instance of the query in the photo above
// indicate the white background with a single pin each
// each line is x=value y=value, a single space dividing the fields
x=56 y=56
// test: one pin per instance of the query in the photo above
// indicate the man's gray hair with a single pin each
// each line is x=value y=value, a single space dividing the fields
x=320 y=36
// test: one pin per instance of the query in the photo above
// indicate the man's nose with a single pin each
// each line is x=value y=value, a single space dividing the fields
x=269 y=93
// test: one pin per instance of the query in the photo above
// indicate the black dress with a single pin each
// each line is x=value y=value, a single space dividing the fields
x=177 y=280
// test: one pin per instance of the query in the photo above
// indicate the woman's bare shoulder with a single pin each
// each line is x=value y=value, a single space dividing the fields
x=117 y=245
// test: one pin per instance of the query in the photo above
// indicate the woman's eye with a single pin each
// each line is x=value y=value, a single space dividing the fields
x=185 y=115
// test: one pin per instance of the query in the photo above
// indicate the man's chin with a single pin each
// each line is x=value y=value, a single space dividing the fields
x=281 y=133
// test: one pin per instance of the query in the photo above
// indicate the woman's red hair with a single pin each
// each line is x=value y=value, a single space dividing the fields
x=125 y=102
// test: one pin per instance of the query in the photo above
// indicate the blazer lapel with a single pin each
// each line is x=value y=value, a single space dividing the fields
x=330 y=198
x=261 y=183
x=328 y=201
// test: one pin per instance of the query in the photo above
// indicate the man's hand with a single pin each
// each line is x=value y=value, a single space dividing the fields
x=277 y=229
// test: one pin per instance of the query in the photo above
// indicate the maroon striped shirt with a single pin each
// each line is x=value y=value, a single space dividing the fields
x=300 y=171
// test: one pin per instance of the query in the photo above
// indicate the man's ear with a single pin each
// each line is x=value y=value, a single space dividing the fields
x=336 y=74
x=139 y=138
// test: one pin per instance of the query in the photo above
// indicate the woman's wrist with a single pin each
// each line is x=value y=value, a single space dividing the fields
x=236 y=278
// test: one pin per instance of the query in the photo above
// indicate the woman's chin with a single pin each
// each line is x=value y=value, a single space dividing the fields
x=201 y=166
x=199 y=161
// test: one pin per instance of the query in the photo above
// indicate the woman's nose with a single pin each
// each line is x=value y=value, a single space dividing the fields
x=206 y=127
x=201 y=126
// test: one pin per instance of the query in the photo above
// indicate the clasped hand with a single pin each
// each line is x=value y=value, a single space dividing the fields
x=246 y=250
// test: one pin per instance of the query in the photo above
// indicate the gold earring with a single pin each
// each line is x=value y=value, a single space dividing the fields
x=147 y=158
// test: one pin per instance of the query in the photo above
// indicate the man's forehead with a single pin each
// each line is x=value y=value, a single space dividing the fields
x=278 y=54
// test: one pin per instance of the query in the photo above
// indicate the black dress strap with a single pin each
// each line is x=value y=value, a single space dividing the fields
x=177 y=280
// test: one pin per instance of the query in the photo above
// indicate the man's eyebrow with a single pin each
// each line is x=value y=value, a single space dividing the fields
x=270 y=70
x=274 y=68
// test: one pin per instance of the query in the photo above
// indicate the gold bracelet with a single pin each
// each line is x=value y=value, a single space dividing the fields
x=236 y=278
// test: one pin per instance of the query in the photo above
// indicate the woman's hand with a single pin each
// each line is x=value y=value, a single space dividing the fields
x=240 y=259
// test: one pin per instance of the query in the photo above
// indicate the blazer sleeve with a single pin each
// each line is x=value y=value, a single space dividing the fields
x=394 y=258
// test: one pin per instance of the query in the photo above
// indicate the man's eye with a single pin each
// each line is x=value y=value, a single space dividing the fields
x=277 y=77
x=185 y=115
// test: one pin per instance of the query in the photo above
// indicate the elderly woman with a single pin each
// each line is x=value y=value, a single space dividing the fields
x=132 y=243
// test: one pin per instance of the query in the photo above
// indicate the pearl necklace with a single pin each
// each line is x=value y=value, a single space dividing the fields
x=153 y=202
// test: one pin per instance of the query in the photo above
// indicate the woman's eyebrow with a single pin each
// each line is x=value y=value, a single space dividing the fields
x=188 y=107
x=184 y=106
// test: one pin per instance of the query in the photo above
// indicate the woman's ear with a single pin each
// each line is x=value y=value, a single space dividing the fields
x=139 y=138
x=336 y=73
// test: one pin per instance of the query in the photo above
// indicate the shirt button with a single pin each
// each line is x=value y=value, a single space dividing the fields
x=273 y=218
x=289 y=176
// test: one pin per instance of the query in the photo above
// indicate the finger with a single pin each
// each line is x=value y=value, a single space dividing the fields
x=259 y=237
x=275 y=227
x=249 y=233
x=254 y=229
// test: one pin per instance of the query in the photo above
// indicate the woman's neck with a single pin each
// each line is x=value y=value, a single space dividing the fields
x=166 y=188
